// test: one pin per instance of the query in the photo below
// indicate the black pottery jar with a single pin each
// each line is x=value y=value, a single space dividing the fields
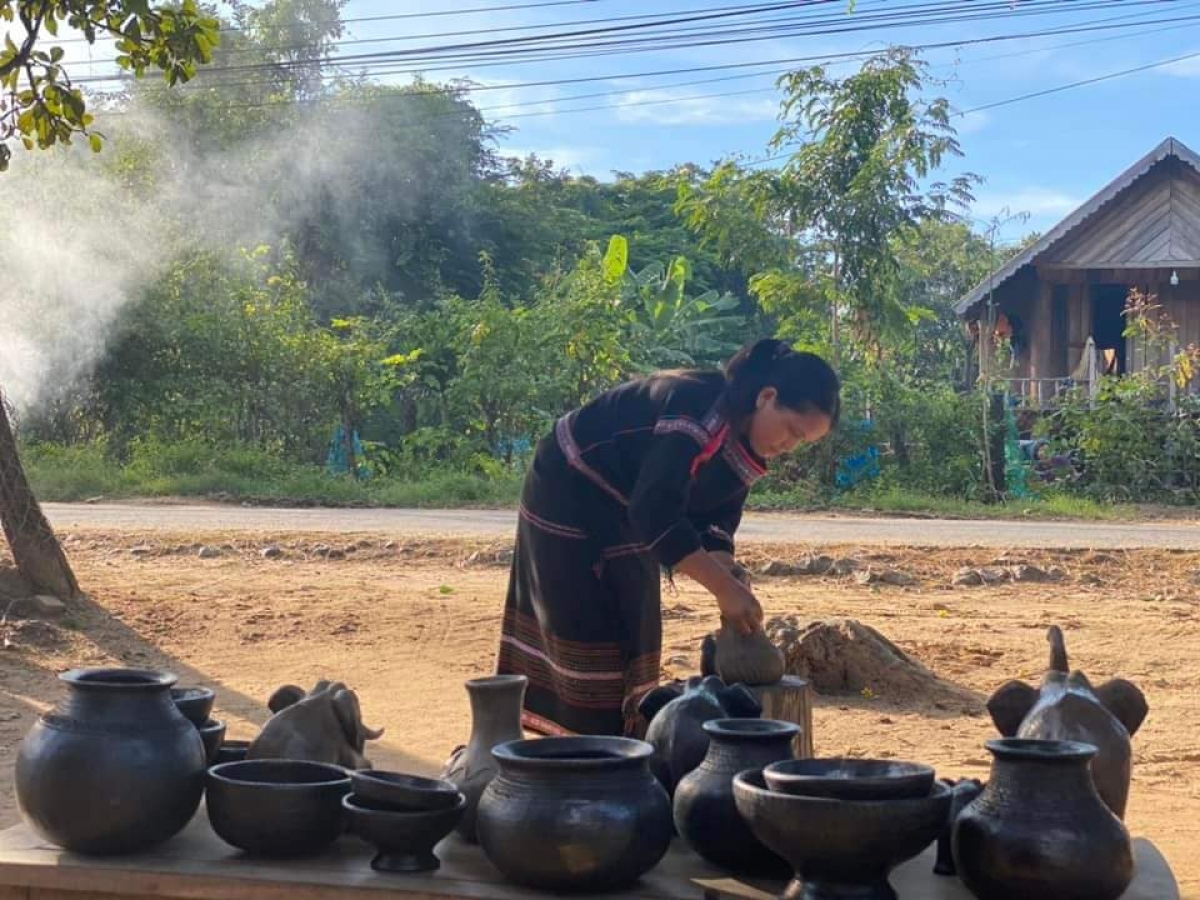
x=574 y=813
x=706 y=814
x=114 y=768
x=1039 y=830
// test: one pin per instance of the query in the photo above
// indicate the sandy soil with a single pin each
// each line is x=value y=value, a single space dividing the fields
x=407 y=623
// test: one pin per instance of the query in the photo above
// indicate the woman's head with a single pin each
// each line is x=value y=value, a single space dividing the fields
x=781 y=398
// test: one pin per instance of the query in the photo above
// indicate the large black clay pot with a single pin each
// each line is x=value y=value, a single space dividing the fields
x=677 y=714
x=574 y=813
x=114 y=768
x=706 y=814
x=1039 y=830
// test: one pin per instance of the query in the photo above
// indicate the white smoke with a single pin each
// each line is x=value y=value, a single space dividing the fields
x=80 y=245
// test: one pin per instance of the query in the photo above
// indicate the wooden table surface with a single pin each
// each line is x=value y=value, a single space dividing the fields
x=197 y=865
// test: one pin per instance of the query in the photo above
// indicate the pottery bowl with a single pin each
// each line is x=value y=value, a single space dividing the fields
x=232 y=751
x=404 y=839
x=196 y=703
x=842 y=844
x=395 y=790
x=850 y=779
x=212 y=733
x=277 y=807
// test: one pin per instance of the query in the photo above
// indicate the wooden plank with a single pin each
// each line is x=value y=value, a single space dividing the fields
x=1120 y=226
x=1040 y=332
x=790 y=700
x=197 y=865
x=1153 y=881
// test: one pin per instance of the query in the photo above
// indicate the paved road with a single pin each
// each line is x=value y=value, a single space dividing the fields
x=756 y=527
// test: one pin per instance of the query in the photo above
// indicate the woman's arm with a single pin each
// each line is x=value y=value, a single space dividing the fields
x=739 y=607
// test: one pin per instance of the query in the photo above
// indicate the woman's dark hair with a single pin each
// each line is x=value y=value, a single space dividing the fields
x=804 y=381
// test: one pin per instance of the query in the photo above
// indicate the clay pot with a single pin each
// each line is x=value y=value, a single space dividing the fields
x=114 y=768
x=677 y=714
x=231 y=751
x=397 y=791
x=1039 y=830
x=749 y=659
x=404 y=839
x=850 y=779
x=496 y=704
x=706 y=815
x=196 y=703
x=841 y=849
x=574 y=813
x=277 y=807
x=213 y=733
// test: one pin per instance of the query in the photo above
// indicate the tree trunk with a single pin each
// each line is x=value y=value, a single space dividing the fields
x=35 y=548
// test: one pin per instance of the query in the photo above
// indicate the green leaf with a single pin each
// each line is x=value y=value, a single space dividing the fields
x=616 y=259
x=96 y=142
x=56 y=54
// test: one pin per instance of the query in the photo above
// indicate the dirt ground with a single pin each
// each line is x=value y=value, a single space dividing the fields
x=405 y=623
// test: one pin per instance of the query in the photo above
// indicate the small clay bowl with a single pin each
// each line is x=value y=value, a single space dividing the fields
x=212 y=733
x=850 y=779
x=394 y=790
x=196 y=703
x=277 y=807
x=404 y=841
x=232 y=751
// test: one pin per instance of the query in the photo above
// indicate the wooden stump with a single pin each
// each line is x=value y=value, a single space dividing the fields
x=790 y=700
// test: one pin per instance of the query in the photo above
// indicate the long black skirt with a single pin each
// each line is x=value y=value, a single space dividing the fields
x=582 y=619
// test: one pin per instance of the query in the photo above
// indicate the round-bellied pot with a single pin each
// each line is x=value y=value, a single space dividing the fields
x=114 y=768
x=840 y=849
x=231 y=751
x=706 y=815
x=574 y=813
x=1039 y=830
x=496 y=704
x=277 y=807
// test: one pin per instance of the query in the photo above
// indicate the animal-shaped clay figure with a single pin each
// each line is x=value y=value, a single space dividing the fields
x=324 y=725
x=963 y=793
x=1068 y=708
x=677 y=714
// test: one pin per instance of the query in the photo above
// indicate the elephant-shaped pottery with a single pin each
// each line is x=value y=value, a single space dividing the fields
x=324 y=725
x=1068 y=708
x=677 y=713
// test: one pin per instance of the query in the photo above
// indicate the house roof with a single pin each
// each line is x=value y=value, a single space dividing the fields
x=1169 y=148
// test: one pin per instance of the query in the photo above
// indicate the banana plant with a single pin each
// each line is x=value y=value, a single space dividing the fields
x=668 y=328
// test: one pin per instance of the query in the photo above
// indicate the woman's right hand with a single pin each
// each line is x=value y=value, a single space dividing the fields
x=741 y=609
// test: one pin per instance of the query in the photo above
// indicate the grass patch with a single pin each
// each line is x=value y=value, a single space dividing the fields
x=900 y=501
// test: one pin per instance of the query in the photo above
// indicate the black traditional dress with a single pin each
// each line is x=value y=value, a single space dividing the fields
x=633 y=482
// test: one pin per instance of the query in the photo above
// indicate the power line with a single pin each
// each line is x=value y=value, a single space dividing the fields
x=423 y=15
x=608 y=40
x=837 y=57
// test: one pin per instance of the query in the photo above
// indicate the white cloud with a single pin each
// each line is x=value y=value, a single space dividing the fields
x=1034 y=200
x=578 y=159
x=679 y=107
x=1185 y=68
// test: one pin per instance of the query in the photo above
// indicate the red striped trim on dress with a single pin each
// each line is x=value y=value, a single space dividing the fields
x=621 y=550
x=683 y=425
x=534 y=722
x=570 y=449
x=577 y=674
x=554 y=528
x=748 y=469
x=710 y=449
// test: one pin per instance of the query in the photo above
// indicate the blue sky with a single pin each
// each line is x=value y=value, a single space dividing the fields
x=1040 y=156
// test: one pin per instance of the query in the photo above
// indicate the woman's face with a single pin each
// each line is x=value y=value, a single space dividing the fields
x=776 y=430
